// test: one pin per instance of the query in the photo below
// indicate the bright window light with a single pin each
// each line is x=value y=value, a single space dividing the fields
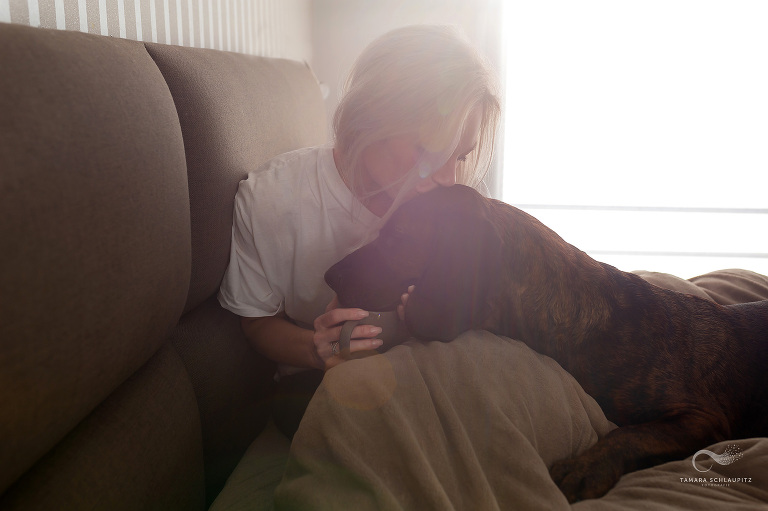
x=638 y=130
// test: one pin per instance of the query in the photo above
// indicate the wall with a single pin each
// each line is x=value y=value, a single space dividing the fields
x=273 y=28
x=342 y=28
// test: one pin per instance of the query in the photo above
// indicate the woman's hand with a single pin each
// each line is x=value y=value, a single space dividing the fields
x=328 y=330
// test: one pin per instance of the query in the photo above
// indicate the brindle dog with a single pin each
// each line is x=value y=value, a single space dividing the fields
x=674 y=371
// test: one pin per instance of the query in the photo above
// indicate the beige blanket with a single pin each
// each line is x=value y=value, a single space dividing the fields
x=474 y=424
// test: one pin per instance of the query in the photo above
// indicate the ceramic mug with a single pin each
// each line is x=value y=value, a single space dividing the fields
x=393 y=331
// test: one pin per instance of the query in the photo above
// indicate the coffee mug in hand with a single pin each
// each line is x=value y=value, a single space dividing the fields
x=393 y=331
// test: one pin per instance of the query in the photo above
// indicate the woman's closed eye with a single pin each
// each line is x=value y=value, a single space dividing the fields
x=464 y=156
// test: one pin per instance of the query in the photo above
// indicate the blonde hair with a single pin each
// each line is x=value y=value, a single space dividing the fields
x=424 y=79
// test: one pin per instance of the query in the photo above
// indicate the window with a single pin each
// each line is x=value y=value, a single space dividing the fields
x=638 y=130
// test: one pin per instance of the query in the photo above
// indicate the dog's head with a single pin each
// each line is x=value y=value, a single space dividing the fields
x=442 y=242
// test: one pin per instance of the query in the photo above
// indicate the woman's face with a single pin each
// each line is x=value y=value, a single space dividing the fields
x=388 y=161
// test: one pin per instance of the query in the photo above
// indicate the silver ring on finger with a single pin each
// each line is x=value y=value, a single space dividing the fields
x=335 y=348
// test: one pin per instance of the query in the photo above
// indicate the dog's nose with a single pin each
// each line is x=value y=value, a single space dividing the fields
x=335 y=280
x=332 y=277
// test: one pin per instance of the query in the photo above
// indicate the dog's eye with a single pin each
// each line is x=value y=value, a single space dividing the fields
x=399 y=235
x=394 y=238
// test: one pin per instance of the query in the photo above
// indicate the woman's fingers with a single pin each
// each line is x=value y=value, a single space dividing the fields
x=335 y=316
x=362 y=336
x=403 y=302
x=365 y=331
x=365 y=344
x=333 y=333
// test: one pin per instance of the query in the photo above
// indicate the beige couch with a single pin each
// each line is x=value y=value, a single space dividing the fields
x=123 y=383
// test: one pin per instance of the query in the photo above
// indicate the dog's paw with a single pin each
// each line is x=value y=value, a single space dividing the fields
x=586 y=476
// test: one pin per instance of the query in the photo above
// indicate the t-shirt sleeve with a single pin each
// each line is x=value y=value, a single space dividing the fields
x=246 y=290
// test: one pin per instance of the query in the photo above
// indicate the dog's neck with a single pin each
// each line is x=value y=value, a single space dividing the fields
x=559 y=296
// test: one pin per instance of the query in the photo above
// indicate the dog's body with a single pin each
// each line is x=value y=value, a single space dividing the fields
x=674 y=371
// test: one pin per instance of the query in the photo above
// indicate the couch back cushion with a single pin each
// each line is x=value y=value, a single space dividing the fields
x=236 y=111
x=94 y=223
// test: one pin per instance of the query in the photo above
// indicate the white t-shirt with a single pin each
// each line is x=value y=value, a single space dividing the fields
x=294 y=218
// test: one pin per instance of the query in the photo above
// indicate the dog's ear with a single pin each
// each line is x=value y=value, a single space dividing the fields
x=462 y=278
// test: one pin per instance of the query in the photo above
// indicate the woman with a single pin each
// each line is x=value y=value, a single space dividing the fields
x=420 y=111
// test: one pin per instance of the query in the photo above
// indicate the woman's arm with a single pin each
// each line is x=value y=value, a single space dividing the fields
x=280 y=340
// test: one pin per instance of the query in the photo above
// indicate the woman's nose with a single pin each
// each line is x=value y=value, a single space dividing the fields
x=445 y=175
